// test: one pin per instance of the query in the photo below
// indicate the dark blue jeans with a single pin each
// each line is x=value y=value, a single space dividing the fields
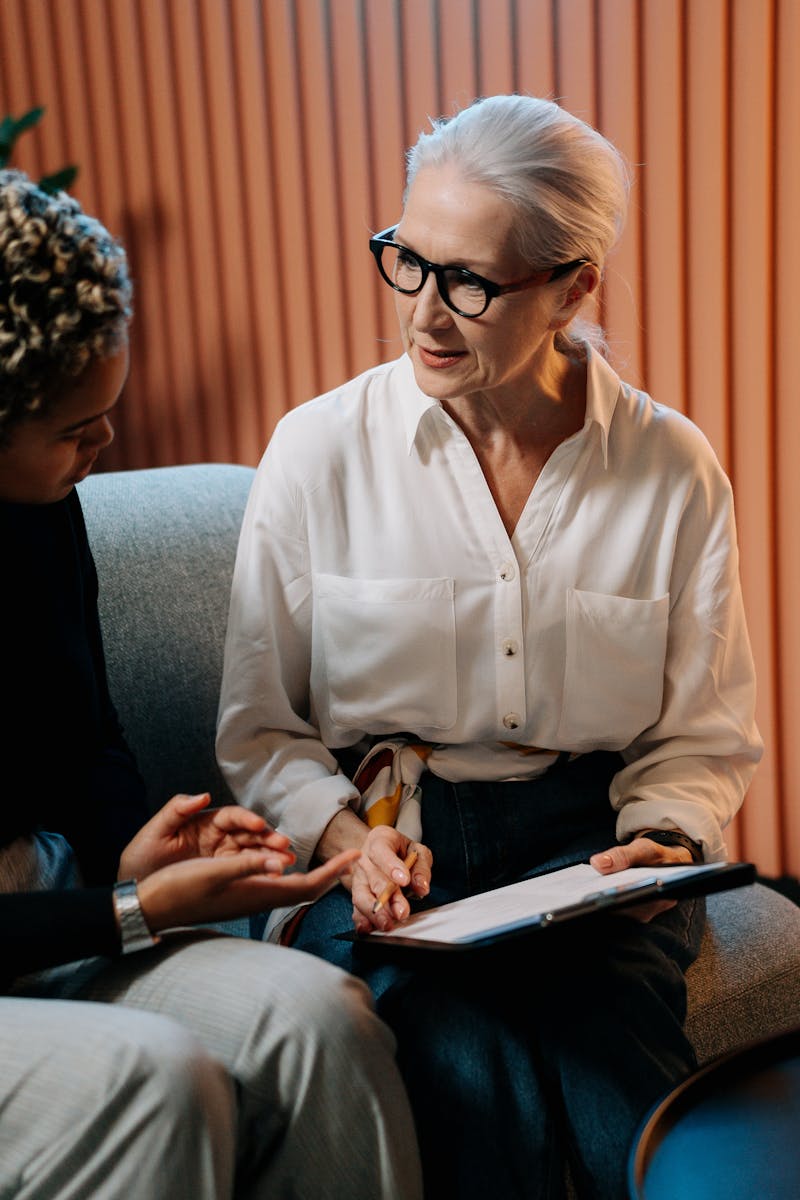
x=550 y=1045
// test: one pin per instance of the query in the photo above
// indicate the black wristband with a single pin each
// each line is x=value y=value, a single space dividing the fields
x=671 y=837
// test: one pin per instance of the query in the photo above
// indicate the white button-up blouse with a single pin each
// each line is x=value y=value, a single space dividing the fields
x=376 y=591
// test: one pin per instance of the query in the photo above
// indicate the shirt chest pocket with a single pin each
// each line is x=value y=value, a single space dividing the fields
x=389 y=652
x=614 y=669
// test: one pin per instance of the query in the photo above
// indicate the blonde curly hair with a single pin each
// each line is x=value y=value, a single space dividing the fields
x=65 y=295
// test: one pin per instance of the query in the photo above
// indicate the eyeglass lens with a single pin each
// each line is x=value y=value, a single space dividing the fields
x=407 y=274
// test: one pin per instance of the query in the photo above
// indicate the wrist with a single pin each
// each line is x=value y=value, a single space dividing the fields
x=344 y=831
x=135 y=934
x=674 y=837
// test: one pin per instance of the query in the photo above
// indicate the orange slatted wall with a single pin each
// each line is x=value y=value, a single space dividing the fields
x=244 y=149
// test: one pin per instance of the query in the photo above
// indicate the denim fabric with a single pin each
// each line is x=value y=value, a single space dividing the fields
x=553 y=1044
x=40 y=862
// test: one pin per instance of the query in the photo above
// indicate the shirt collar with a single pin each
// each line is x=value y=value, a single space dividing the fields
x=602 y=390
x=415 y=404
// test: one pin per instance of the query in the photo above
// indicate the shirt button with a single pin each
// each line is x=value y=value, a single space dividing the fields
x=510 y=647
x=507 y=572
x=511 y=720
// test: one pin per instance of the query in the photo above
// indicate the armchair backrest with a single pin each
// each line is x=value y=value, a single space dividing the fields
x=164 y=542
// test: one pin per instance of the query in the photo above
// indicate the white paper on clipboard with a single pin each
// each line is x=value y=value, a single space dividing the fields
x=550 y=898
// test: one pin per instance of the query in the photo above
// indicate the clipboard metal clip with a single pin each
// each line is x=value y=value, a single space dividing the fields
x=623 y=889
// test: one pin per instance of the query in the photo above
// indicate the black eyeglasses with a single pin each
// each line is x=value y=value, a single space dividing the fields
x=463 y=291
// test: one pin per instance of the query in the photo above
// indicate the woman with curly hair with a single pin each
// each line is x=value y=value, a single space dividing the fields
x=184 y=1065
x=65 y=294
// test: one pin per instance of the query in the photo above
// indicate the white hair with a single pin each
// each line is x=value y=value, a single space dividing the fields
x=568 y=183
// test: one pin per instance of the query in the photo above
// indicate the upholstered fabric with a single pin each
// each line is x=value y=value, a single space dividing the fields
x=746 y=982
x=164 y=542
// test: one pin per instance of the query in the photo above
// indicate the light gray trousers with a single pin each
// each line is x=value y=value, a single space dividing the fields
x=205 y=1068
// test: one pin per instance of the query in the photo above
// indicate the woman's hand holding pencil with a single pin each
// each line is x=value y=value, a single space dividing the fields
x=391 y=888
x=391 y=870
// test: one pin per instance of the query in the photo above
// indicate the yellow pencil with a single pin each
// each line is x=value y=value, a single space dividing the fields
x=389 y=891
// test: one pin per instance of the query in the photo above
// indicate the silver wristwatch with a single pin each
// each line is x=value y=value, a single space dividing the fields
x=133 y=931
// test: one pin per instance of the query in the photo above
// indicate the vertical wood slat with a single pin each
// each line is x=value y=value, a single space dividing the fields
x=708 y=276
x=619 y=108
x=220 y=77
x=575 y=57
x=787 y=422
x=190 y=102
x=293 y=332
x=458 y=54
x=179 y=391
x=265 y=264
x=245 y=149
x=352 y=177
x=156 y=424
x=43 y=66
x=495 y=39
x=322 y=225
x=663 y=183
x=535 y=51
x=402 y=72
x=576 y=79
x=752 y=467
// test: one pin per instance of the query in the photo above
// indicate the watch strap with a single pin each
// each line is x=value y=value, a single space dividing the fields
x=673 y=837
x=133 y=930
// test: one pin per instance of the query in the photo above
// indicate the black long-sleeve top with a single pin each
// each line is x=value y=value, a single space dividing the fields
x=65 y=764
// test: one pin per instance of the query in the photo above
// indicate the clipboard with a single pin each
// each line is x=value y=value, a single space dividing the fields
x=548 y=901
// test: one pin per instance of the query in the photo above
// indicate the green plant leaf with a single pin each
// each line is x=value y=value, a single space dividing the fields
x=11 y=128
x=7 y=138
x=27 y=120
x=59 y=181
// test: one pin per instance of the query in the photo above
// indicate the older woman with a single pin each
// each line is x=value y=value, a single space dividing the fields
x=520 y=574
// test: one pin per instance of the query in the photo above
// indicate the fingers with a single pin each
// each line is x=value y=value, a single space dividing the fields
x=232 y=843
x=195 y=889
x=231 y=818
x=328 y=873
x=178 y=809
x=227 y=818
x=641 y=852
x=230 y=828
x=153 y=846
x=616 y=858
x=246 y=862
x=385 y=862
x=201 y=889
x=385 y=874
x=302 y=886
x=277 y=861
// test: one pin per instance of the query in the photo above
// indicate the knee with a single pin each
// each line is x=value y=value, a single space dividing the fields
x=170 y=1073
x=323 y=997
x=309 y=1019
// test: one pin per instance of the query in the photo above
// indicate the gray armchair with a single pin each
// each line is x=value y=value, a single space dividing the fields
x=164 y=542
